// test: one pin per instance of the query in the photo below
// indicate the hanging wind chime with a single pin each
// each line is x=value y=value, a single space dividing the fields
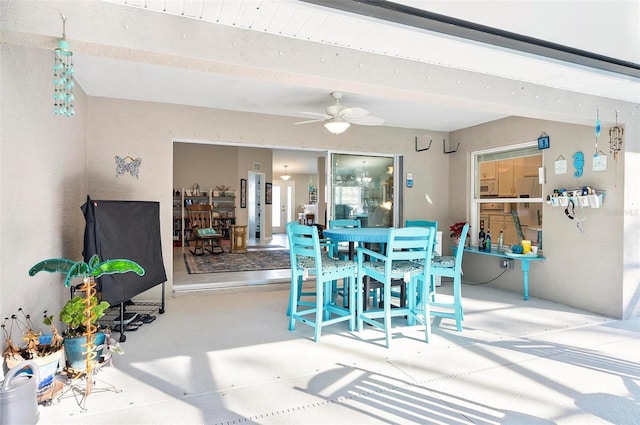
x=63 y=76
x=598 y=129
x=615 y=139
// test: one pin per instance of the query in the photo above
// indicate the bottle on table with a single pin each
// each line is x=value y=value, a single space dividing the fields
x=501 y=241
x=481 y=237
x=487 y=242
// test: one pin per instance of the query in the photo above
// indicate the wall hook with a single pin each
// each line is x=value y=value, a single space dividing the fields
x=423 y=149
x=444 y=147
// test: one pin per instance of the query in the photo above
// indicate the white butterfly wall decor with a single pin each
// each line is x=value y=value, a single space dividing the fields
x=127 y=165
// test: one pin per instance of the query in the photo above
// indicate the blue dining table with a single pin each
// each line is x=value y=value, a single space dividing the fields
x=357 y=234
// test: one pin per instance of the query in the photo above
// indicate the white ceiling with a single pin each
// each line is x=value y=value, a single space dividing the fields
x=608 y=28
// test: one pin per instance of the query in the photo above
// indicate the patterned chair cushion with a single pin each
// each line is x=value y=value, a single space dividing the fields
x=398 y=267
x=443 y=261
x=328 y=263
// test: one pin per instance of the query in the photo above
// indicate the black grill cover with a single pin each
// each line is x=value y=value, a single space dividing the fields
x=124 y=229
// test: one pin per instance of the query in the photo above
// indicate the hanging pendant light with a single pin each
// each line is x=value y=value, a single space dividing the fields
x=285 y=176
x=63 y=82
x=364 y=178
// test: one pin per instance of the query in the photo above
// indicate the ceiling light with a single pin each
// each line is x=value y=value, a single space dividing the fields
x=337 y=125
x=363 y=178
x=286 y=176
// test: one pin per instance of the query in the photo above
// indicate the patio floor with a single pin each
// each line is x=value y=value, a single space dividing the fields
x=226 y=356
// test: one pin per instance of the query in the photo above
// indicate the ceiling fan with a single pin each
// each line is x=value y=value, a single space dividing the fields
x=339 y=118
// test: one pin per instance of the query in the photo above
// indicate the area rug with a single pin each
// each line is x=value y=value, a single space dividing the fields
x=228 y=262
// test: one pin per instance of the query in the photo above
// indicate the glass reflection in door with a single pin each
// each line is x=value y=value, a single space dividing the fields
x=362 y=189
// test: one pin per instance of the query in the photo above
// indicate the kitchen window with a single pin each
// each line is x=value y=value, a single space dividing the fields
x=507 y=194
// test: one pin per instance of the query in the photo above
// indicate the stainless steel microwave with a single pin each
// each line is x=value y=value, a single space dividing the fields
x=489 y=187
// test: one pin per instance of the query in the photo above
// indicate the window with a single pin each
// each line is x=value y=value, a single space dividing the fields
x=507 y=195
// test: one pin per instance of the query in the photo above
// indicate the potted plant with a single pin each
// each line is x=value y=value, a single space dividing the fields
x=73 y=315
x=45 y=349
x=81 y=314
x=456 y=231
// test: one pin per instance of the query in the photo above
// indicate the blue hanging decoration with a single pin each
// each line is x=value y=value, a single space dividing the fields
x=598 y=128
x=578 y=163
x=63 y=83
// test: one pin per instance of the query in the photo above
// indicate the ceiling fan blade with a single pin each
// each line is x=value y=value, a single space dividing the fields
x=368 y=120
x=315 y=114
x=351 y=113
x=310 y=121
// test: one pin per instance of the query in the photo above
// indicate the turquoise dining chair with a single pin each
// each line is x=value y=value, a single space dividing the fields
x=310 y=260
x=421 y=223
x=407 y=258
x=446 y=266
x=341 y=252
x=432 y=225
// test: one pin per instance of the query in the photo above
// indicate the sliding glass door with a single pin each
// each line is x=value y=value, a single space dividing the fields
x=363 y=187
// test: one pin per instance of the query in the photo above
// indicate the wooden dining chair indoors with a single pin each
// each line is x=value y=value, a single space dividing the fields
x=204 y=235
x=309 y=260
x=407 y=258
x=446 y=266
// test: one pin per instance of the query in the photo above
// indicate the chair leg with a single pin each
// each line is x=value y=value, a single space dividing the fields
x=294 y=296
x=361 y=298
x=387 y=313
x=198 y=245
x=320 y=312
x=352 y=304
x=427 y=319
x=457 y=302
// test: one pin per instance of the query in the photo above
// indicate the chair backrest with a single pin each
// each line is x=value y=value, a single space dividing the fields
x=410 y=243
x=304 y=246
x=344 y=222
x=460 y=248
x=421 y=223
x=199 y=216
x=424 y=223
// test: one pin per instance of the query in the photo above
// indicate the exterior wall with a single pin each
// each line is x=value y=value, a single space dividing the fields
x=43 y=182
x=148 y=131
x=62 y=160
x=584 y=270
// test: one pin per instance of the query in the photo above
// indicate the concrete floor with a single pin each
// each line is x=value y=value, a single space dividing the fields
x=226 y=356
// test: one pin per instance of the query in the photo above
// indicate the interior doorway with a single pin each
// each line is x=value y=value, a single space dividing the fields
x=255 y=204
x=283 y=205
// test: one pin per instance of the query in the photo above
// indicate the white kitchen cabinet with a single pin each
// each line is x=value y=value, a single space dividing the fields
x=506 y=183
x=488 y=170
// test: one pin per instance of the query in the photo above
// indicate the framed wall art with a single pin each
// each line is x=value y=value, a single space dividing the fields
x=243 y=193
x=268 y=189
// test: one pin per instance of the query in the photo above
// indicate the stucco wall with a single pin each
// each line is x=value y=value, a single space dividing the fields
x=148 y=130
x=582 y=269
x=44 y=182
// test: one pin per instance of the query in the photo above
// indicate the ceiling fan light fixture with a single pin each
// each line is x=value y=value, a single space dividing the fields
x=285 y=176
x=336 y=125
